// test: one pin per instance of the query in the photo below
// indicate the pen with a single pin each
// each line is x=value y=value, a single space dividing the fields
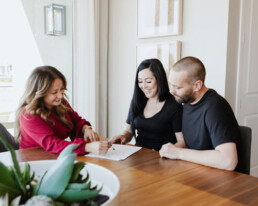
x=111 y=146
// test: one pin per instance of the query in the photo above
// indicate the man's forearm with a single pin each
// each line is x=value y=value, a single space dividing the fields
x=213 y=158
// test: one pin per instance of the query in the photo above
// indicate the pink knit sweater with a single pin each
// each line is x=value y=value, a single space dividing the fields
x=36 y=132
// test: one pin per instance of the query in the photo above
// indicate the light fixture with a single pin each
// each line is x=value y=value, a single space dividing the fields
x=54 y=19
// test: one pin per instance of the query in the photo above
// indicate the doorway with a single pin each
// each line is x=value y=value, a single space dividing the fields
x=247 y=92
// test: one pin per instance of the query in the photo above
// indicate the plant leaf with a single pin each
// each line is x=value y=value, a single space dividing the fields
x=13 y=192
x=32 y=176
x=57 y=177
x=17 y=170
x=36 y=189
x=68 y=150
x=77 y=195
x=86 y=178
x=26 y=173
x=76 y=170
x=79 y=186
x=6 y=176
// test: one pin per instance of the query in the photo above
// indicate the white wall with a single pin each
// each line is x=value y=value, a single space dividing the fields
x=205 y=24
x=121 y=61
x=56 y=51
x=25 y=46
x=18 y=48
x=204 y=35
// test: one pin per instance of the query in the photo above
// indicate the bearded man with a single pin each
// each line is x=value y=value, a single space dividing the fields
x=209 y=126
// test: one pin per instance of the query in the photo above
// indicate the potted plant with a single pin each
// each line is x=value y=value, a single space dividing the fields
x=62 y=184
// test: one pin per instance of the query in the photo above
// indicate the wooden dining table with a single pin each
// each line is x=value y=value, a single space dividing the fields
x=147 y=179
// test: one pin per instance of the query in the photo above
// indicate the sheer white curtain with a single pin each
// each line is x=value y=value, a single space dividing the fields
x=90 y=62
x=86 y=59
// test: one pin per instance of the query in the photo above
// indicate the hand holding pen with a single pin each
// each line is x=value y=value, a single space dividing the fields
x=111 y=146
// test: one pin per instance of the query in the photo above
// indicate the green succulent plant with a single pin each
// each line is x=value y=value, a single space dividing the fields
x=13 y=181
x=63 y=182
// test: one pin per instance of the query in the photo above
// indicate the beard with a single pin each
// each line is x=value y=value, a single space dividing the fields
x=186 y=98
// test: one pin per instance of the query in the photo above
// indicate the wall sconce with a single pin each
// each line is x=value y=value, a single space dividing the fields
x=54 y=20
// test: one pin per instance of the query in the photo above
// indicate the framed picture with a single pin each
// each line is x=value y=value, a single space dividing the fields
x=159 y=18
x=6 y=75
x=168 y=53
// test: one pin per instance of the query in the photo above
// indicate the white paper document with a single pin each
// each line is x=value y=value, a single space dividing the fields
x=120 y=152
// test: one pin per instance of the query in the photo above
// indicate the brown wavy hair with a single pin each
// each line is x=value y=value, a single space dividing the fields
x=37 y=87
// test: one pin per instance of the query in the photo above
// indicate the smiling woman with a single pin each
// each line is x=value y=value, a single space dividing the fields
x=154 y=117
x=55 y=94
x=45 y=118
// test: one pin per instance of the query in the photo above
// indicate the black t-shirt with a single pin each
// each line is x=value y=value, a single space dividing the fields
x=159 y=129
x=209 y=123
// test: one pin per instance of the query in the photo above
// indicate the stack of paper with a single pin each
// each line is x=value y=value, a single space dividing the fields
x=120 y=152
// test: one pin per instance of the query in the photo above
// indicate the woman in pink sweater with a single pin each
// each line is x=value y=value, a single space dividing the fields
x=45 y=118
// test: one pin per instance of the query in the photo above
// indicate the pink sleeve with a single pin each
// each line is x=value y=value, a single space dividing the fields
x=36 y=132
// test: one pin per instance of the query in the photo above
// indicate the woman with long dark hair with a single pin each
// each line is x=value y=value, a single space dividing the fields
x=154 y=116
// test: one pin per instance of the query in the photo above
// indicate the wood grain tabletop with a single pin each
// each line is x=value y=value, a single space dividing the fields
x=147 y=179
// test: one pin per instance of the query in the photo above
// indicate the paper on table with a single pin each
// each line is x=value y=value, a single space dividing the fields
x=121 y=152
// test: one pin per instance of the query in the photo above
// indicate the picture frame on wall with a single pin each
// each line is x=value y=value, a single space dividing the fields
x=167 y=52
x=159 y=18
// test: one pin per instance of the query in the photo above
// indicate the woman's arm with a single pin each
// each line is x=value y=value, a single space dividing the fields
x=180 y=140
x=37 y=132
x=89 y=134
x=123 y=138
x=100 y=147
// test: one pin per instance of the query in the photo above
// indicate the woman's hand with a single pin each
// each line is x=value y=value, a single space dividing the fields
x=89 y=134
x=99 y=148
x=123 y=138
x=118 y=139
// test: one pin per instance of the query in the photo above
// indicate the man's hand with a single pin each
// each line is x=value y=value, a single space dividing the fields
x=169 y=151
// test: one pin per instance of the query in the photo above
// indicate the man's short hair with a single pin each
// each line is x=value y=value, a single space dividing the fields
x=193 y=66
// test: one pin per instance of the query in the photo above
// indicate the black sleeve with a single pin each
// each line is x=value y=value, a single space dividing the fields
x=222 y=124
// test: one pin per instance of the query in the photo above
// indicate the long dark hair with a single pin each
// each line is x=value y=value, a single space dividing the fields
x=139 y=99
